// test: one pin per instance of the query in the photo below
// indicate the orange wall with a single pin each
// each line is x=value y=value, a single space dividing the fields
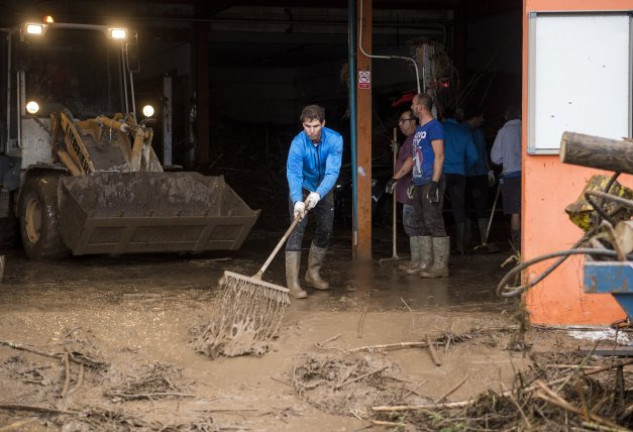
x=548 y=187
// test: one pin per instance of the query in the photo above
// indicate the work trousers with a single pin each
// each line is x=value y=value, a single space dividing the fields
x=409 y=222
x=477 y=195
x=455 y=189
x=323 y=215
x=427 y=213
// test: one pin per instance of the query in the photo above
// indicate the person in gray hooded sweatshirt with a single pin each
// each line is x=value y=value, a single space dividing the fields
x=506 y=151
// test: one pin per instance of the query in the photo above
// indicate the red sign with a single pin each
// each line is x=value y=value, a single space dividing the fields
x=364 y=79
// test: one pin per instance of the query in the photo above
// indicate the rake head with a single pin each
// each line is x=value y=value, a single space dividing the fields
x=249 y=315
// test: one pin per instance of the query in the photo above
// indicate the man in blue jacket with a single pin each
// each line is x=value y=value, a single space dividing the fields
x=459 y=154
x=479 y=176
x=314 y=162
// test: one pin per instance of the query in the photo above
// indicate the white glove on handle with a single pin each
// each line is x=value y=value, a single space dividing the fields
x=300 y=210
x=312 y=200
x=491 y=178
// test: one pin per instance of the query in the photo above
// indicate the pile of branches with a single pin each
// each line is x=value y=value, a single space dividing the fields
x=154 y=381
x=97 y=419
x=340 y=385
x=558 y=393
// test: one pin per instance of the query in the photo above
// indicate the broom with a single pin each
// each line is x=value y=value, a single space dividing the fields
x=485 y=247
x=250 y=314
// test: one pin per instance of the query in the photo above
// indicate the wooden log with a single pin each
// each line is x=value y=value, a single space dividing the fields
x=596 y=152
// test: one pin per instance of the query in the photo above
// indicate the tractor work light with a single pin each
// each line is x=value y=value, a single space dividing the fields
x=148 y=111
x=32 y=107
x=35 y=29
x=117 y=33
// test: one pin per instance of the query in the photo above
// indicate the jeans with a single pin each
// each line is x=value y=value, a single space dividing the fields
x=322 y=213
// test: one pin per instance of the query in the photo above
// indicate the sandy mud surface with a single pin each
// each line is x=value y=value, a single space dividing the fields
x=105 y=343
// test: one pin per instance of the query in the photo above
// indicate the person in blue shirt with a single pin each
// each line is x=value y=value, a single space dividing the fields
x=460 y=153
x=479 y=176
x=314 y=162
x=427 y=164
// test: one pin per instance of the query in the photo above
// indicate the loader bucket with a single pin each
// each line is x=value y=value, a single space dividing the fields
x=138 y=212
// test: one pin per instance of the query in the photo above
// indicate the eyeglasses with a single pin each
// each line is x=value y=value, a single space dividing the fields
x=402 y=120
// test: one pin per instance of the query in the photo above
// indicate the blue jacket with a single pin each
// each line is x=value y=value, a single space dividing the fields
x=314 y=167
x=479 y=167
x=459 y=148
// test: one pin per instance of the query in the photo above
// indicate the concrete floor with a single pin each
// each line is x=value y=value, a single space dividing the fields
x=379 y=285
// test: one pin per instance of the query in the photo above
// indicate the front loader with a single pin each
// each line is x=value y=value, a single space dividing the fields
x=78 y=170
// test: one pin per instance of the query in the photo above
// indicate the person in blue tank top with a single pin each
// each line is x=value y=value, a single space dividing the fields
x=314 y=162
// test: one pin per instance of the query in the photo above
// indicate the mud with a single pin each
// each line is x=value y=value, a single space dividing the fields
x=104 y=343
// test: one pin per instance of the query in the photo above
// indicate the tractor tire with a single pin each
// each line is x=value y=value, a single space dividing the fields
x=39 y=219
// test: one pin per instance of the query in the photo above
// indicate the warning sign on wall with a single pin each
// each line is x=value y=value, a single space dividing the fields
x=364 y=79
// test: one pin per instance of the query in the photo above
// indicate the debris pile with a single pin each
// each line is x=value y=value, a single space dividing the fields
x=153 y=381
x=349 y=384
x=560 y=392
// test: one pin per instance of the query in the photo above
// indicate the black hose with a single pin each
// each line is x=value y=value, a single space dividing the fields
x=564 y=254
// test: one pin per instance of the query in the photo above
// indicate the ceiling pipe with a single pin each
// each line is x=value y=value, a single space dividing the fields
x=387 y=57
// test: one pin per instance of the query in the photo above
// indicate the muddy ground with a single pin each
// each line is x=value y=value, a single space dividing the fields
x=104 y=343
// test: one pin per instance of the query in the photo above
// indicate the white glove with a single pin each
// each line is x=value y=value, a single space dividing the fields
x=312 y=200
x=491 y=178
x=300 y=210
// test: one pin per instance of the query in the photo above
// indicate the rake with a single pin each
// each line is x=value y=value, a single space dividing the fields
x=250 y=314
x=394 y=254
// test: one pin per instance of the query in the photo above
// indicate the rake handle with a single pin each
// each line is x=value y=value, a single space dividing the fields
x=293 y=225
x=492 y=212
x=393 y=205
